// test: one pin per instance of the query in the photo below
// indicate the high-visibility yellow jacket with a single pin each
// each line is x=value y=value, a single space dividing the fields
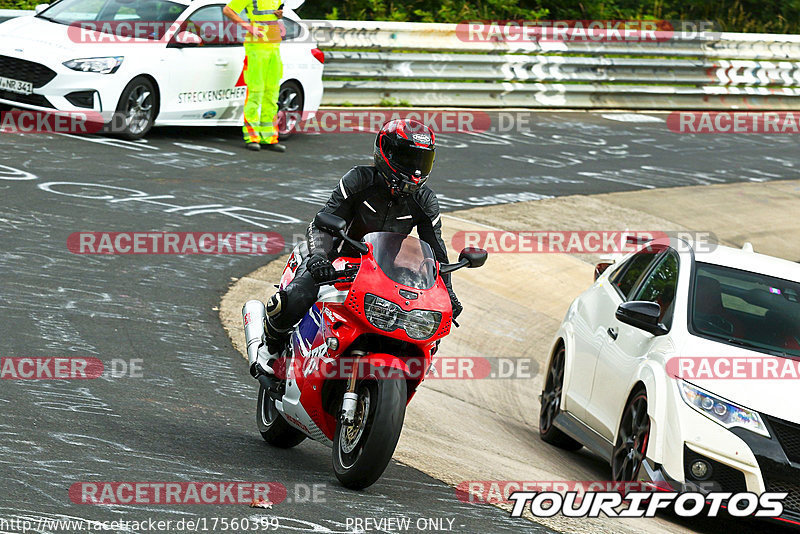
x=261 y=12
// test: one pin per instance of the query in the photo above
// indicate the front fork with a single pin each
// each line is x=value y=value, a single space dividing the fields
x=350 y=399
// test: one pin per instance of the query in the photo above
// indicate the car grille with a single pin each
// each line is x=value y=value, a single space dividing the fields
x=27 y=71
x=792 y=501
x=788 y=435
x=33 y=100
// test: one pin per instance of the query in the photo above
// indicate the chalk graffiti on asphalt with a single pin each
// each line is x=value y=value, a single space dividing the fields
x=115 y=194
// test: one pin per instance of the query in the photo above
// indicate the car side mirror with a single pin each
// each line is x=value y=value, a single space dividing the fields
x=330 y=223
x=600 y=268
x=187 y=39
x=475 y=257
x=41 y=7
x=643 y=315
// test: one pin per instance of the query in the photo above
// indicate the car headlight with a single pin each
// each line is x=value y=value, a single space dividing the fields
x=98 y=65
x=388 y=316
x=723 y=412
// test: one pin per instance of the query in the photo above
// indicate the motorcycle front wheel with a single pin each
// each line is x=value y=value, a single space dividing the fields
x=362 y=451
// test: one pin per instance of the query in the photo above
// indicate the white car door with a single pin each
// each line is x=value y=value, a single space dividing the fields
x=625 y=346
x=203 y=78
x=586 y=346
x=591 y=323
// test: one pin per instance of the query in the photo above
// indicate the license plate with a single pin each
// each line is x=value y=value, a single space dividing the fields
x=16 y=86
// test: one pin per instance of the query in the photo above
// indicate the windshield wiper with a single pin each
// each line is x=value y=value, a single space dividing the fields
x=743 y=343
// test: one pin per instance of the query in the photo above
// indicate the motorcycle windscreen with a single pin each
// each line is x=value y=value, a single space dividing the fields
x=404 y=259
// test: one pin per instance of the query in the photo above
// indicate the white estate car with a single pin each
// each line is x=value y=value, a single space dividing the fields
x=165 y=78
x=612 y=382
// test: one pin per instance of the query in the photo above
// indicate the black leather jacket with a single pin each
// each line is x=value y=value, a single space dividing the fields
x=363 y=200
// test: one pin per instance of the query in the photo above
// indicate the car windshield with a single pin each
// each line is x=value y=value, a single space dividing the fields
x=749 y=309
x=404 y=259
x=157 y=13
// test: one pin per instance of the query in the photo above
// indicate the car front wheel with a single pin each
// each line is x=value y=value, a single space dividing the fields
x=290 y=108
x=631 y=446
x=136 y=111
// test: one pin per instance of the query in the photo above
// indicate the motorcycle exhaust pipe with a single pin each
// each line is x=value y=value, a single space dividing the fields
x=253 y=315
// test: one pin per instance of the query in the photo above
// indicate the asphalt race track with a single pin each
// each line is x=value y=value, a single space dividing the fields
x=188 y=414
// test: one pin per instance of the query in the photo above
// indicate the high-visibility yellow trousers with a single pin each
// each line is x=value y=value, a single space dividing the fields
x=262 y=74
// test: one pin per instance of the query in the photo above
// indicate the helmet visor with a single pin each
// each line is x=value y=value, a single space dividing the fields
x=412 y=160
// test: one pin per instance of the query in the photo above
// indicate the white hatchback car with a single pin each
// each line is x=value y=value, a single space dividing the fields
x=612 y=384
x=163 y=78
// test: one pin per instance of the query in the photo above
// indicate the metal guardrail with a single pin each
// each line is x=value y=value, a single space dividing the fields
x=430 y=64
x=369 y=63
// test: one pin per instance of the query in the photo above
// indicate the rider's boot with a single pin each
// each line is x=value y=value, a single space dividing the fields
x=274 y=340
x=264 y=343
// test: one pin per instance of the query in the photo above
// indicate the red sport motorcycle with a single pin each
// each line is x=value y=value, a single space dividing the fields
x=355 y=360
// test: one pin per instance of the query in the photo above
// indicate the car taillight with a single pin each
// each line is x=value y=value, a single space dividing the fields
x=318 y=54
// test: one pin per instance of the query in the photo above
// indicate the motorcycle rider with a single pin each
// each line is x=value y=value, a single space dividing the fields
x=389 y=196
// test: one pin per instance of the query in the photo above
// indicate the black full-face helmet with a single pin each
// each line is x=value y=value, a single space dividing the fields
x=404 y=154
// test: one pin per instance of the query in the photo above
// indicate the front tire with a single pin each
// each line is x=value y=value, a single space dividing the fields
x=362 y=451
x=551 y=405
x=631 y=445
x=136 y=111
x=273 y=427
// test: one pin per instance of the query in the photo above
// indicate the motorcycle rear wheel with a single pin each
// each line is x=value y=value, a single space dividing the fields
x=362 y=451
x=273 y=427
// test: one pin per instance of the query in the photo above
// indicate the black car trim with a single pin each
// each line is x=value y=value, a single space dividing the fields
x=581 y=432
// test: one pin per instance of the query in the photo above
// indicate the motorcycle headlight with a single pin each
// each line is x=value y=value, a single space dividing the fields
x=421 y=324
x=381 y=313
x=98 y=65
x=388 y=316
x=723 y=412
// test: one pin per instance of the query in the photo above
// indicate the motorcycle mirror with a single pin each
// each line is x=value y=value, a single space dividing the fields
x=475 y=257
x=330 y=223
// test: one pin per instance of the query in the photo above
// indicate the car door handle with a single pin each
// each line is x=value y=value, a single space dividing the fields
x=612 y=333
x=221 y=62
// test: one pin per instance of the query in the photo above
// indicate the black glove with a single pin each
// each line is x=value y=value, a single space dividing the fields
x=457 y=307
x=321 y=268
